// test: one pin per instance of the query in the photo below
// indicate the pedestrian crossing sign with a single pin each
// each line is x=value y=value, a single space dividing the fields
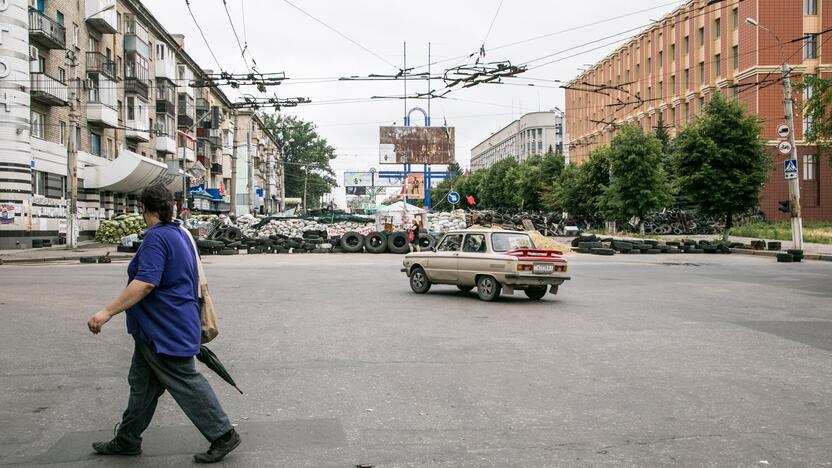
x=790 y=169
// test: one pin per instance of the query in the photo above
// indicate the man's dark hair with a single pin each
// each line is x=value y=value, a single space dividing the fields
x=158 y=199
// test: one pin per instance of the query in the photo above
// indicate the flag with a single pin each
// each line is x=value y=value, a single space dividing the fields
x=470 y=199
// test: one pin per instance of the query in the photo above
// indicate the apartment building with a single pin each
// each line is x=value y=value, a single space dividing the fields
x=701 y=48
x=533 y=133
x=140 y=119
x=257 y=154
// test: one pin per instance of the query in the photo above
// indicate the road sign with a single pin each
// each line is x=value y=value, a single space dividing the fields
x=453 y=198
x=783 y=131
x=790 y=169
x=784 y=147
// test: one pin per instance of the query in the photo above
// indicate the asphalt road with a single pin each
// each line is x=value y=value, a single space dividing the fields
x=668 y=360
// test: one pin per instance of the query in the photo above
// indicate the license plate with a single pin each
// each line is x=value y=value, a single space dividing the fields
x=543 y=268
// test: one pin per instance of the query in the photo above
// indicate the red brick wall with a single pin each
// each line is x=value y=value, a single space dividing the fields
x=815 y=196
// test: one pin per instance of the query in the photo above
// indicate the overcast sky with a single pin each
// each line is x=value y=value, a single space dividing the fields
x=282 y=39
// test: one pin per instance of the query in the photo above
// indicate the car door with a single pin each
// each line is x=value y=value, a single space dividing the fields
x=473 y=259
x=442 y=266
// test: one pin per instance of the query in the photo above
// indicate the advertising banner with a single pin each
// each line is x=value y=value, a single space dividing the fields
x=7 y=211
x=415 y=187
x=416 y=145
x=358 y=179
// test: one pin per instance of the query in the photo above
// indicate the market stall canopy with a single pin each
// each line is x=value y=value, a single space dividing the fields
x=400 y=207
x=130 y=173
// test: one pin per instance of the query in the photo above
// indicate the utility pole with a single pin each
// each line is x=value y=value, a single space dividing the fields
x=305 y=181
x=252 y=194
x=72 y=228
x=788 y=103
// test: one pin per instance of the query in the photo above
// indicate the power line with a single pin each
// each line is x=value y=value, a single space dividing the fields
x=188 y=4
x=341 y=34
x=493 y=20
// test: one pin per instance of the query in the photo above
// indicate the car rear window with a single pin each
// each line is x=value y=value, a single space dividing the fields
x=503 y=242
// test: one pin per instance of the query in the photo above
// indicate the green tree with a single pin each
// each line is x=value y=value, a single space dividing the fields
x=720 y=160
x=454 y=170
x=579 y=188
x=524 y=182
x=306 y=157
x=639 y=185
x=818 y=110
x=470 y=186
x=496 y=188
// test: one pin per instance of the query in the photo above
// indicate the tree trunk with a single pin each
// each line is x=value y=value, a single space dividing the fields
x=729 y=223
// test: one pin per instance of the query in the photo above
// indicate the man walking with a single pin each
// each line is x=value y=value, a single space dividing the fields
x=162 y=307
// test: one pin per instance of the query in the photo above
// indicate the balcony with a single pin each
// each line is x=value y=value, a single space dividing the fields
x=101 y=15
x=46 y=32
x=136 y=79
x=165 y=144
x=98 y=63
x=102 y=114
x=165 y=97
x=48 y=90
x=185 y=120
x=216 y=168
x=185 y=152
x=136 y=38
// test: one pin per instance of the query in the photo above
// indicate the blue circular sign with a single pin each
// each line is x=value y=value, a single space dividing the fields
x=453 y=198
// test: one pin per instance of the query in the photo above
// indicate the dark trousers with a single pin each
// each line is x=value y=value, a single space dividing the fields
x=150 y=375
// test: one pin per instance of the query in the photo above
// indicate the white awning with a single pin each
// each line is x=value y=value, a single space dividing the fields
x=131 y=173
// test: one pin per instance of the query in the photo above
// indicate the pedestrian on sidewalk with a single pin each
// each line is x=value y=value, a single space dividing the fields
x=413 y=237
x=162 y=306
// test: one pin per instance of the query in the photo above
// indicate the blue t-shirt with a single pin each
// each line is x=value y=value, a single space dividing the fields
x=168 y=317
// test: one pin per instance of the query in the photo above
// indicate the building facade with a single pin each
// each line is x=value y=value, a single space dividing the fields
x=140 y=118
x=702 y=48
x=533 y=133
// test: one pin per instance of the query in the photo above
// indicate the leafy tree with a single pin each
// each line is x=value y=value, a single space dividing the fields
x=524 y=182
x=720 y=160
x=496 y=188
x=454 y=170
x=438 y=194
x=664 y=137
x=818 y=109
x=306 y=157
x=579 y=188
x=639 y=185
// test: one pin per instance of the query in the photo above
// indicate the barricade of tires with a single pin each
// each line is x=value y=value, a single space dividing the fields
x=382 y=242
x=597 y=245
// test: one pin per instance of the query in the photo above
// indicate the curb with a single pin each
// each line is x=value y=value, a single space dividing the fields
x=773 y=253
x=56 y=259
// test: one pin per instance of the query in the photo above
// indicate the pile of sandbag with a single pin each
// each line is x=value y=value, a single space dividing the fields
x=447 y=221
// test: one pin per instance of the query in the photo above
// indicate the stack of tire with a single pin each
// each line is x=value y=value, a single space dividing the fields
x=704 y=246
x=792 y=255
x=224 y=240
x=382 y=242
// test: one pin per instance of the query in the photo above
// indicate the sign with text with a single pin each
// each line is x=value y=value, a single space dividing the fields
x=358 y=179
x=415 y=186
x=416 y=145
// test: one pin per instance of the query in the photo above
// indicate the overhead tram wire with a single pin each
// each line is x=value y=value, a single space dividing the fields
x=204 y=39
x=342 y=35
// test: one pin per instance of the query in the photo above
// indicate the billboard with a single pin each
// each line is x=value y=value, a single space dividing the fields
x=358 y=179
x=416 y=145
x=415 y=186
x=356 y=190
x=389 y=181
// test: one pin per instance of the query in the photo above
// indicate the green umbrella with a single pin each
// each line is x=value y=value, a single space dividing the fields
x=207 y=357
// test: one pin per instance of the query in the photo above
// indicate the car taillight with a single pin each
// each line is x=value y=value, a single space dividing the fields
x=560 y=268
x=522 y=267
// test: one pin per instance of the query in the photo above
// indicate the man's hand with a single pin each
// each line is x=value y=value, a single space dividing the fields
x=98 y=320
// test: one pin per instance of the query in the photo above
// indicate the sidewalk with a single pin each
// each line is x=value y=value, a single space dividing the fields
x=61 y=253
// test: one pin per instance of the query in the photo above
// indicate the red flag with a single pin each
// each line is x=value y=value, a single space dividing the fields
x=470 y=199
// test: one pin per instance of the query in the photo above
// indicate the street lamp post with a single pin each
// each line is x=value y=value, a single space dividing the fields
x=794 y=183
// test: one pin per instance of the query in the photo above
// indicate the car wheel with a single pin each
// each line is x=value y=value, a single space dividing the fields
x=535 y=292
x=419 y=281
x=351 y=242
x=488 y=288
x=465 y=288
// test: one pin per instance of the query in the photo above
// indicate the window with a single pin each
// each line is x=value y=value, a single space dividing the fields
x=808 y=92
x=686 y=45
x=672 y=85
x=61 y=75
x=120 y=110
x=686 y=109
x=735 y=51
x=701 y=73
x=810 y=7
x=701 y=36
x=118 y=21
x=687 y=78
x=78 y=138
x=810 y=46
x=672 y=53
x=661 y=59
x=661 y=90
x=38 y=122
x=717 y=65
x=717 y=26
x=672 y=116
x=131 y=108
x=62 y=137
x=736 y=92
x=649 y=66
x=450 y=243
x=735 y=18
x=638 y=71
x=95 y=144
x=809 y=167
x=39 y=183
x=75 y=31
x=92 y=44
x=59 y=17
x=474 y=243
x=109 y=151
x=701 y=105
x=503 y=242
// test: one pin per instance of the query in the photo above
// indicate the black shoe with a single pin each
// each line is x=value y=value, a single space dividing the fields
x=113 y=447
x=219 y=448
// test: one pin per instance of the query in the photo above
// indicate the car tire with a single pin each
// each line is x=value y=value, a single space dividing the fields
x=352 y=242
x=427 y=242
x=375 y=242
x=785 y=258
x=488 y=288
x=465 y=288
x=419 y=281
x=397 y=242
x=601 y=251
x=535 y=293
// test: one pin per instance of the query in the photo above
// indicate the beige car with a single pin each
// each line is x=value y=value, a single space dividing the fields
x=491 y=261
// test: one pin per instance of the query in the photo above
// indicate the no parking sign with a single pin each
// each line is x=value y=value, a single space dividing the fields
x=453 y=198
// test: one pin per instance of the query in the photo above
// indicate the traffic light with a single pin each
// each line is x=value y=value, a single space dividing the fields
x=785 y=206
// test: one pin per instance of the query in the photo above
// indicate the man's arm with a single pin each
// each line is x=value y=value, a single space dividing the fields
x=130 y=296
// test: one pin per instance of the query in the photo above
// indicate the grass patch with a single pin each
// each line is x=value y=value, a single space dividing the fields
x=820 y=233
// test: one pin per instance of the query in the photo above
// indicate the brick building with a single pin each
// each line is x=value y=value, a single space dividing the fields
x=140 y=119
x=674 y=67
